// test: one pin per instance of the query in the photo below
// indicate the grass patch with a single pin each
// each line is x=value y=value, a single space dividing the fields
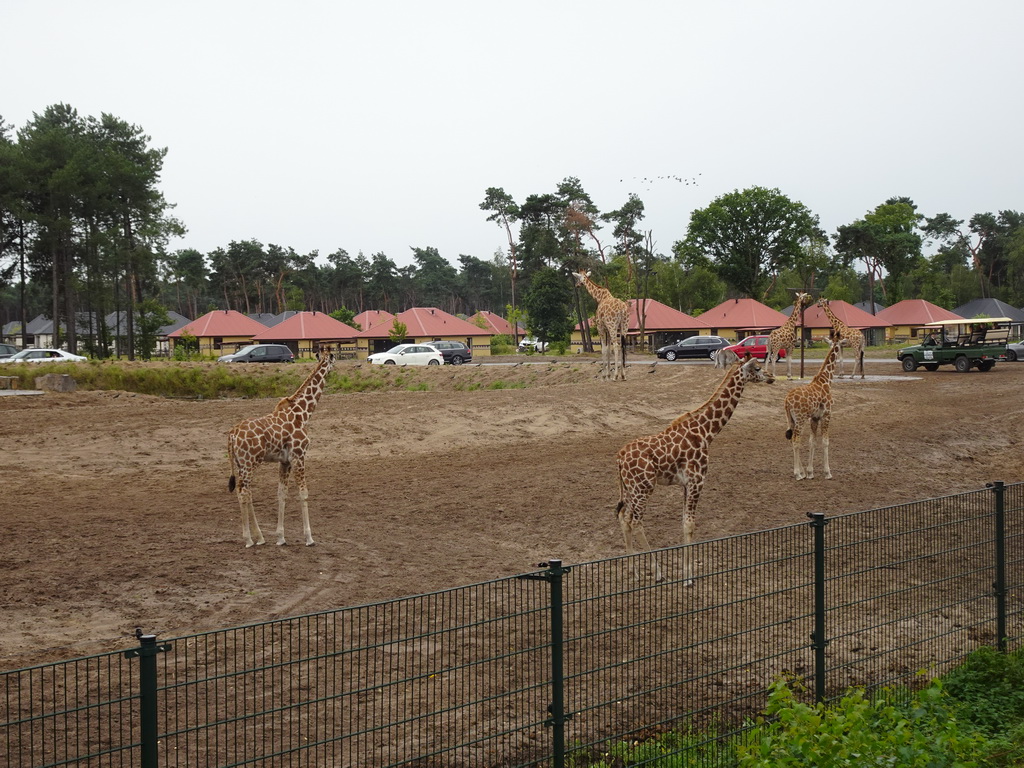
x=507 y=385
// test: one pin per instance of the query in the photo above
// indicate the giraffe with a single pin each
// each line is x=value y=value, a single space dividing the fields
x=784 y=337
x=279 y=437
x=612 y=318
x=724 y=358
x=846 y=337
x=678 y=455
x=812 y=404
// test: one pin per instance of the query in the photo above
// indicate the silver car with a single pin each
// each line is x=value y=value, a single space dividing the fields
x=1015 y=350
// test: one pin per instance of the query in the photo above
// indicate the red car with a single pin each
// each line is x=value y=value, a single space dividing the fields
x=757 y=346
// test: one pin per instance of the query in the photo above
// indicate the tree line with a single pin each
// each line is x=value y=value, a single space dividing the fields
x=84 y=230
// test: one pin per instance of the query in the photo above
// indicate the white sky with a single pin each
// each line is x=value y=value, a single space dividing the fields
x=377 y=126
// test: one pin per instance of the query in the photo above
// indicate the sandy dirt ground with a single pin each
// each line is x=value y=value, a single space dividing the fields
x=117 y=513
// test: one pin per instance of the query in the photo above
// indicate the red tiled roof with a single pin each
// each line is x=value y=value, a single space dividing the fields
x=371 y=317
x=423 y=322
x=307 y=325
x=914 y=312
x=496 y=323
x=815 y=317
x=221 y=322
x=660 y=317
x=743 y=314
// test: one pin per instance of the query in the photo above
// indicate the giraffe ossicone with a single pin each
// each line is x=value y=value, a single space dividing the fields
x=612 y=320
x=678 y=456
x=810 y=406
x=278 y=437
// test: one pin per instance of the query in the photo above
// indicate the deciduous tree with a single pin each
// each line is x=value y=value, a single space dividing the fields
x=750 y=236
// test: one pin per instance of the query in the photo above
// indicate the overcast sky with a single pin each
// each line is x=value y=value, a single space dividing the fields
x=378 y=126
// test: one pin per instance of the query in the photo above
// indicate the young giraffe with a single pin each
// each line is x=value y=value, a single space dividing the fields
x=847 y=337
x=612 y=318
x=784 y=337
x=678 y=455
x=279 y=437
x=812 y=404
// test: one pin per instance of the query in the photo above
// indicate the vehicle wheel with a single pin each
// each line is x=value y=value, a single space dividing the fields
x=670 y=355
x=432 y=362
x=909 y=364
x=986 y=366
x=931 y=366
x=962 y=364
x=457 y=360
x=389 y=362
x=1011 y=355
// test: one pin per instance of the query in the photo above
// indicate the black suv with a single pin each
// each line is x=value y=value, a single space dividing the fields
x=694 y=346
x=260 y=353
x=453 y=352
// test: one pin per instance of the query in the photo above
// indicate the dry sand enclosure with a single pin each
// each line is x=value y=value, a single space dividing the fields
x=118 y=515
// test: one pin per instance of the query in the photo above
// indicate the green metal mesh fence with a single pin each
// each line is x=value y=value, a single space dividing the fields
x=466 y=677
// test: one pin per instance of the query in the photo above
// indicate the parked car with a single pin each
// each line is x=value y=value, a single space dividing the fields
x=44 y=356
x=532 y=345
x=454 y=352
x=755 y=346
x=260 y=353
x=6 y=350
x=1015 y=350
x=694 y=346
x=408 y=354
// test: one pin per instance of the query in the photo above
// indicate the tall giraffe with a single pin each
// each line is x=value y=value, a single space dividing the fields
x=612 y=318
x=784 y=337
x=678 y=455
x=281 y=437
x=846 y=337
x=812 y=404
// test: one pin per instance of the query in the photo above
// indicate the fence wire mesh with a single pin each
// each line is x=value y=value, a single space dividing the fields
x=463 y=677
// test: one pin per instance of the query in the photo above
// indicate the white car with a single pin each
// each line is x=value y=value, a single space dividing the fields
x=44 y=356
x=408 y=354
x=529 y=344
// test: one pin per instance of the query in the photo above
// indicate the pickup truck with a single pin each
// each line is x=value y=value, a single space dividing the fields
x=964 y=344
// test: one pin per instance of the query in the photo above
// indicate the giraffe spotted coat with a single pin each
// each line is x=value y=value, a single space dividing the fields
x=678 y=456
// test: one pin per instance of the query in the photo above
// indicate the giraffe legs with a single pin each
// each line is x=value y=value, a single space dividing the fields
x=248 y=513
x=618 y=365
x=692 y=491
x=824 y=445
x=282 y=496
x=630 y=513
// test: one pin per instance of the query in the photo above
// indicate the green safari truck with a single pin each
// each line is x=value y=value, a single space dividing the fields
x=975 y=343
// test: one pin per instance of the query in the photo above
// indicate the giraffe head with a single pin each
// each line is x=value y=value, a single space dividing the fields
x=581 y=277
x=802 y=299
x=822 y=302
x=750 y=370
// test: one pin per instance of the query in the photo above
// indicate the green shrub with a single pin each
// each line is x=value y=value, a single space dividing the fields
x=862 y=731
x=989 y=686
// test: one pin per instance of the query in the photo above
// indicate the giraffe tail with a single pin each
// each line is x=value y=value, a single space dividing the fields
x=231 y=460
x=789 y=420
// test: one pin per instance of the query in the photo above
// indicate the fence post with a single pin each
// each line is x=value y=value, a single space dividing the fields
x=999 y=587
x=553 y=575
x=148 y=730
x=819 y=642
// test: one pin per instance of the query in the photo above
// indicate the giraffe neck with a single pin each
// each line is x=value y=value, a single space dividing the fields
x=838 y=324
x=824 y=376
x=711 y=417
x=599 y=293
x=789 y=326
x=303 y=401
